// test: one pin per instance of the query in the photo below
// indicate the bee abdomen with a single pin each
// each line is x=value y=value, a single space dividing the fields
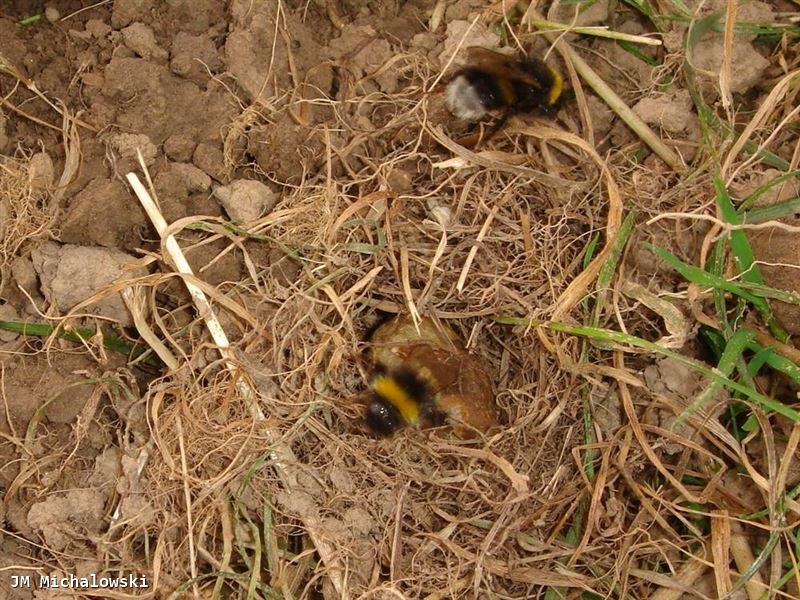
x=473 y=93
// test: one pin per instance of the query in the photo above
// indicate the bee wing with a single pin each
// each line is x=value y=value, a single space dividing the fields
x=502 y=64
x=484 y=58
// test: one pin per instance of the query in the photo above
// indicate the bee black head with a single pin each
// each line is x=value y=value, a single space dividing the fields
x=382 y=417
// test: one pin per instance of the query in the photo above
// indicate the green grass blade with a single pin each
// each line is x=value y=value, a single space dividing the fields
x=764 y=188
x=591 y=248
x=776 y=361
x=762 y=557
x=705 y=279
x=781 y=210
x=744 y=257
x=749 y=28
x=708 y=280
x=716 y=266
x=28 y=20
x=713 y=339
x=609 y=268
x=635 y=51
x=82 y=334
x=731 y=356
x=773 y=293
x=740 y=245
x=759 y=359
x=360 y=248
x=683 y=9
x=644 y=7
x=617 y=337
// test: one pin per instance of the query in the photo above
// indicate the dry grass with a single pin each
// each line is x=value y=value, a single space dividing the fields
x=439 y=515
x=25 y=207
x=30 y=195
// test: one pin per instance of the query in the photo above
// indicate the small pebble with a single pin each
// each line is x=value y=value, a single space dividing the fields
x=51 y=14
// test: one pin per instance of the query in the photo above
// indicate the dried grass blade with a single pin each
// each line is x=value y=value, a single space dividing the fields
x=462 y=278
x=720 y=550
x=763 y=113
x=597 y=31
x=617 y=104
x=608 y=270
x=284 y=461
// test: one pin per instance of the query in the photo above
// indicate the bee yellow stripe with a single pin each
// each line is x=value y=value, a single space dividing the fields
x=556 y=88
x=391 y=391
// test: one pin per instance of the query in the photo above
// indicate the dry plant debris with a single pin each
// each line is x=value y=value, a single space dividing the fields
x=615 y=268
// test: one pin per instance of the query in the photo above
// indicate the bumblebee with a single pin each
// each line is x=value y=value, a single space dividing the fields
x=400 y=398
x=494 y=82
x=424 y=377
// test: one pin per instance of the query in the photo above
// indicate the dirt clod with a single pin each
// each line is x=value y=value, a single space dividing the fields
x=24 y=274
x=128 y=145
x=246 y=200
x=60 y=518
x=194 y=57
x=70 y=274
x=672 y=112
x=209 y=158
x=140 y=38
x=99 y=29
x=41 y=172
x=365 y=53
x=462 y=34
x=577 y=15
x=107 y=469
x=104 y=213
x=179 y=147
x=779 y=254
x=750 y=65
x=127 y=11
x=284 y=150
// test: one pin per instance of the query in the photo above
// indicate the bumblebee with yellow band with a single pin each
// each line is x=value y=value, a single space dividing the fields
x=424 y=377
x=495 y=82
x=400 y=398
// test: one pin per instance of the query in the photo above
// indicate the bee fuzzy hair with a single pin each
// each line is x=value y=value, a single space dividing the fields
x=464 y=100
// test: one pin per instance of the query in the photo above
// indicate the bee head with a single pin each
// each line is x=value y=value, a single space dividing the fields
x=382 y=417
x=399 y=398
